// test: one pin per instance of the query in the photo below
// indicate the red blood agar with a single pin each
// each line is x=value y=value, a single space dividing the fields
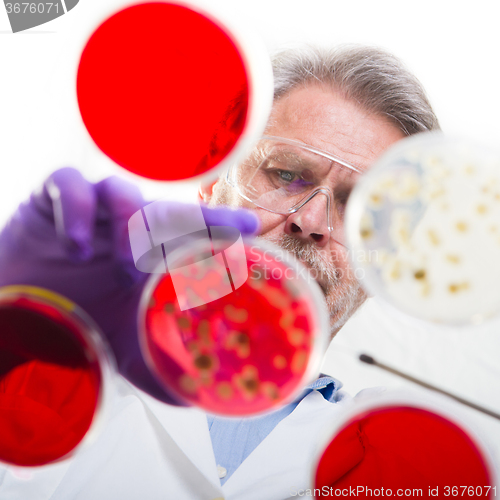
x=163 y=91
x=402 y=448
x=49 y=386
x=241 y=354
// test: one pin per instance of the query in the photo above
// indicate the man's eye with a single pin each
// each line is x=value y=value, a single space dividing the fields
x=286 y=175
x=341 y=202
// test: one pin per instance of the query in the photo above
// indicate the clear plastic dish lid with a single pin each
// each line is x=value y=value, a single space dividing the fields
x=54 y=377
x=235 y=327
x=424 y=229
x=170 y=92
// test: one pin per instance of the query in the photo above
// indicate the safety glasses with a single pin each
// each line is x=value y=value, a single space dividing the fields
x=282 y=175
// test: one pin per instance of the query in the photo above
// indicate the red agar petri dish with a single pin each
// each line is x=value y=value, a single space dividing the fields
x=52 y=370
x=403 y=451
x=167 y=92
x=253 y=341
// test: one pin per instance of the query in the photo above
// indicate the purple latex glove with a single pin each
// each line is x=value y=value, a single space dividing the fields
x=71 y=237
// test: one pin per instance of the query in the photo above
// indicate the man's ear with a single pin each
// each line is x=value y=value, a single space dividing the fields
x=206 y=191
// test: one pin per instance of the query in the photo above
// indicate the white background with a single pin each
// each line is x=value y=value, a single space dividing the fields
x=454 y=49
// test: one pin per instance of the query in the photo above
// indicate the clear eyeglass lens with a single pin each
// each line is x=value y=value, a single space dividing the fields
x=278 y=176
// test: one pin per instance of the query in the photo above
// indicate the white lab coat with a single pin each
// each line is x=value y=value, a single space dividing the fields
x=151 y=451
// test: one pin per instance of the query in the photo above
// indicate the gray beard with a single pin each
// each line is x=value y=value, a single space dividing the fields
x=342 y=297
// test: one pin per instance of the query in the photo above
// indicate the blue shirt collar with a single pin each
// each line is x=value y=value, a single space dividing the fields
x=326 y=385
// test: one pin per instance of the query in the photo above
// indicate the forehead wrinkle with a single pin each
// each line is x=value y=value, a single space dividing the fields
x=325 y=119
x=289 y=119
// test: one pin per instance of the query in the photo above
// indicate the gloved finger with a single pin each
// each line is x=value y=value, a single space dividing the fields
x=170 y=221
x=244 y=220
x=164 y=226
x=121 y=199
x=74 y=206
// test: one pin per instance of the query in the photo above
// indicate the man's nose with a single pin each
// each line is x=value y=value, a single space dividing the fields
x=310 y=222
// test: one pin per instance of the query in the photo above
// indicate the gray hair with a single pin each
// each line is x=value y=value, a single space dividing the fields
x=374 y=78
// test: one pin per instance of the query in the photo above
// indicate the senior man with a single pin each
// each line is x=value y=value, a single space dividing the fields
x=334 y=114
x=351 y=105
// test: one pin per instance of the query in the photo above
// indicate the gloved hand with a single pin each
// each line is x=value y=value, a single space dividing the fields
x=71 y=237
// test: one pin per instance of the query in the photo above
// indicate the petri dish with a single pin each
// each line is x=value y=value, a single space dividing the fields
x=399 y=444
x=424 y=232
x=234 y=328
x=170 y=92
x=54 y=377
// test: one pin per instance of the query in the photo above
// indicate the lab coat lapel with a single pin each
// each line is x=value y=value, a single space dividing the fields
x=188 y=427
x=282 y=463
x=146 y=450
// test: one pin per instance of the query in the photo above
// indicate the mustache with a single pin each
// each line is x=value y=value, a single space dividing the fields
x=347 y=297
x=308 y=253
